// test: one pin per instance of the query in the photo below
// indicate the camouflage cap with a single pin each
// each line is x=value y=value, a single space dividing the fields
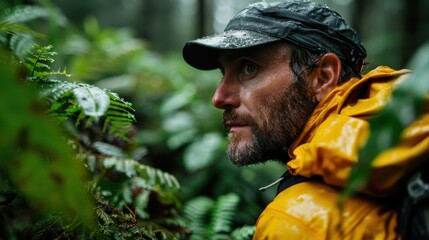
x=310 y=25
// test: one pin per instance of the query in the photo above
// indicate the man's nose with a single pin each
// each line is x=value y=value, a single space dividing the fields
x=226 y=95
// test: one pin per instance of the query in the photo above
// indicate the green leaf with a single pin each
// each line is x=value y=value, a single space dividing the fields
x=108 y=149
x=93 y=101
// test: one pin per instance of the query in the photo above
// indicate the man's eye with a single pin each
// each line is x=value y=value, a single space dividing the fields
x=249 y=68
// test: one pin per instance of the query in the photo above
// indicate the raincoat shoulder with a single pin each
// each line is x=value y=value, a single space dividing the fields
x=309 y=210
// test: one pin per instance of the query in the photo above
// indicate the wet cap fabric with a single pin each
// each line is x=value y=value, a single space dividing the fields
x=310 y=25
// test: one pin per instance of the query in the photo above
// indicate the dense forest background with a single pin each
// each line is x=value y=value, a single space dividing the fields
x=133 y=48
x=390 y=30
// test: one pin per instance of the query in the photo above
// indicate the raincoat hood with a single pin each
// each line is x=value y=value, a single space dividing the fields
x=328 y=145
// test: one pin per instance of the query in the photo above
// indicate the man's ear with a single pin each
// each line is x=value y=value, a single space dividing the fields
x=325 y=76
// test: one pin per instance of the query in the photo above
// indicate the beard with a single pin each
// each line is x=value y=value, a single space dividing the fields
x=282 y=119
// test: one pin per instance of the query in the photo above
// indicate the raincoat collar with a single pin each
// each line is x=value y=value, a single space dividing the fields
x=335 y=101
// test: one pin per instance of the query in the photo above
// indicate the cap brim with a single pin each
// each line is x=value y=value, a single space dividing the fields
x=203 y=53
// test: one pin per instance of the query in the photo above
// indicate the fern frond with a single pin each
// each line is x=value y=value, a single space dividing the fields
x=174 y=222
x=151 y=176
x=151 y=230
x=243 y=233
x=38 y=59
x=119 y=102
x=157 y=177
x=58 y=72
x=115 y=224
x=119 y=129
x=26 y=13
x=14 y=28
x=19 y=38
x=93 y=102
x=101 y=214
x=196 y=212
x=51 y=90
x=119 y=116
x=14 y=34
x=90 y=103
x=210 y=219
x=141 y=203
x=223 y=213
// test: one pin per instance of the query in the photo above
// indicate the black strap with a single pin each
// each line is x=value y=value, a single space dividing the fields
x=413 y=219
x=289 y=180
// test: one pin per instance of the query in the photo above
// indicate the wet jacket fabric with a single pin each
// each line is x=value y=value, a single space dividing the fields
x=327 y=148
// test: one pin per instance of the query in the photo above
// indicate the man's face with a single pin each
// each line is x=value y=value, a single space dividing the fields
x=265 y=106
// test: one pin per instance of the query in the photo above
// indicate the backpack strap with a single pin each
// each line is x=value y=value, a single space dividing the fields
x=413 y=214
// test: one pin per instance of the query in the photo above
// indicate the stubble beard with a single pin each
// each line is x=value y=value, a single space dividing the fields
x=282 y=120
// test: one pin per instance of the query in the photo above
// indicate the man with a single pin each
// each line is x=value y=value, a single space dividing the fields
x=292 y=90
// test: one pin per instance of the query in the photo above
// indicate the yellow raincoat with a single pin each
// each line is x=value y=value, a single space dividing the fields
x=328 y=147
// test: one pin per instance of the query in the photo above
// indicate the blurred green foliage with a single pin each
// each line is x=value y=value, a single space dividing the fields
x=62 y=175
x=175 y=131
x=176 y=122
x=27 y=138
